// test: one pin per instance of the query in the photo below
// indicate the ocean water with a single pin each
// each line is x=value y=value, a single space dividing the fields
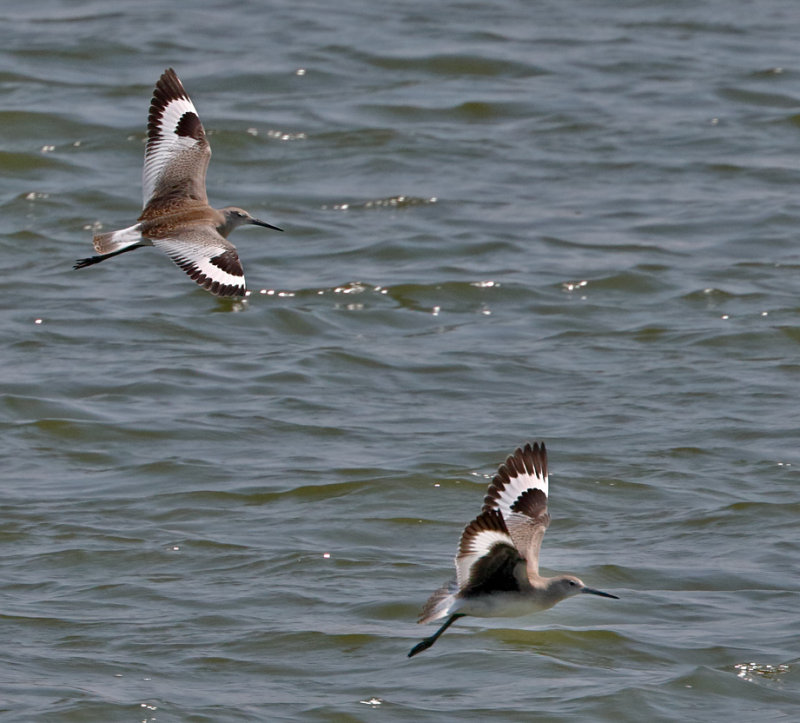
x=507 y=221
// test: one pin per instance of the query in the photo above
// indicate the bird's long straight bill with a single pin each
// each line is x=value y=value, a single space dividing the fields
x=592 y=591
x=256 y=222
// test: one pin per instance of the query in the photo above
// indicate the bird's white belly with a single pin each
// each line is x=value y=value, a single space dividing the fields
x=499 y=605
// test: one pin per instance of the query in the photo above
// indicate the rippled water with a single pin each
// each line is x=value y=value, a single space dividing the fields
x=567 y=221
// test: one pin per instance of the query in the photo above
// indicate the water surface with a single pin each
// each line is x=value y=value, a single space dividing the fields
x=572 y=222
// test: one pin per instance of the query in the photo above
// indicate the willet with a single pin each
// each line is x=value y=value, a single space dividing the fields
x=177 y=218
x=497 y=565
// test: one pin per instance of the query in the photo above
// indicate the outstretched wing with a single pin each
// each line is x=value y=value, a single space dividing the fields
x=177 y=153
x=209 y=259
x=518 y=493
x=487 y=559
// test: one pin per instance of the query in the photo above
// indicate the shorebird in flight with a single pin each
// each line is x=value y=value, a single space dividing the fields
x=497 y=565
x=177 y=218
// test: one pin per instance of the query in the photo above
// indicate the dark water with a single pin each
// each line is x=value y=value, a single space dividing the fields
x=569 y=221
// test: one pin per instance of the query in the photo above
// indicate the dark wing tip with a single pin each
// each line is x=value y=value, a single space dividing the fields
x=168 y=88
x=530 y=459
x=228 y=261
x=488 y=520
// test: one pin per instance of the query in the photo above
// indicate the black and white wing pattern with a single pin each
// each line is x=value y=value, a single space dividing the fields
x=518 y=493
x=487 y=560
x=177 y=153
x=210 y=260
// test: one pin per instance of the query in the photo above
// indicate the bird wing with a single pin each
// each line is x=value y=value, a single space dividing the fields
x=209 y=259
x=487 y=558
x=518 y=493
x=177 y=153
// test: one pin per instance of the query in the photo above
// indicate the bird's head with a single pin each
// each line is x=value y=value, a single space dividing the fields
x=564 y=586
x=235 y=217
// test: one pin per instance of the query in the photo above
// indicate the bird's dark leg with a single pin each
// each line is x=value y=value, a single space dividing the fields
x=83 y=263
x=425 y=644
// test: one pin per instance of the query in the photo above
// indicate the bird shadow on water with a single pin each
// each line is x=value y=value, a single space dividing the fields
x=227 y=305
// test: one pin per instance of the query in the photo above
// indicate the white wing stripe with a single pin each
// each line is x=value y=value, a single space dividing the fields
x=168 y=143
x=173 y=112
x=199 y=256
x=218 y=274
x=478 y=546
x=517 y=486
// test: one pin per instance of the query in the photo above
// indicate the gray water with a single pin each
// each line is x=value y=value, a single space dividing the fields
x=506 y=221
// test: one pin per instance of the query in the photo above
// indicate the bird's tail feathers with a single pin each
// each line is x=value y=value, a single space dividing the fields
x=112 y=241
x=439 y=604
